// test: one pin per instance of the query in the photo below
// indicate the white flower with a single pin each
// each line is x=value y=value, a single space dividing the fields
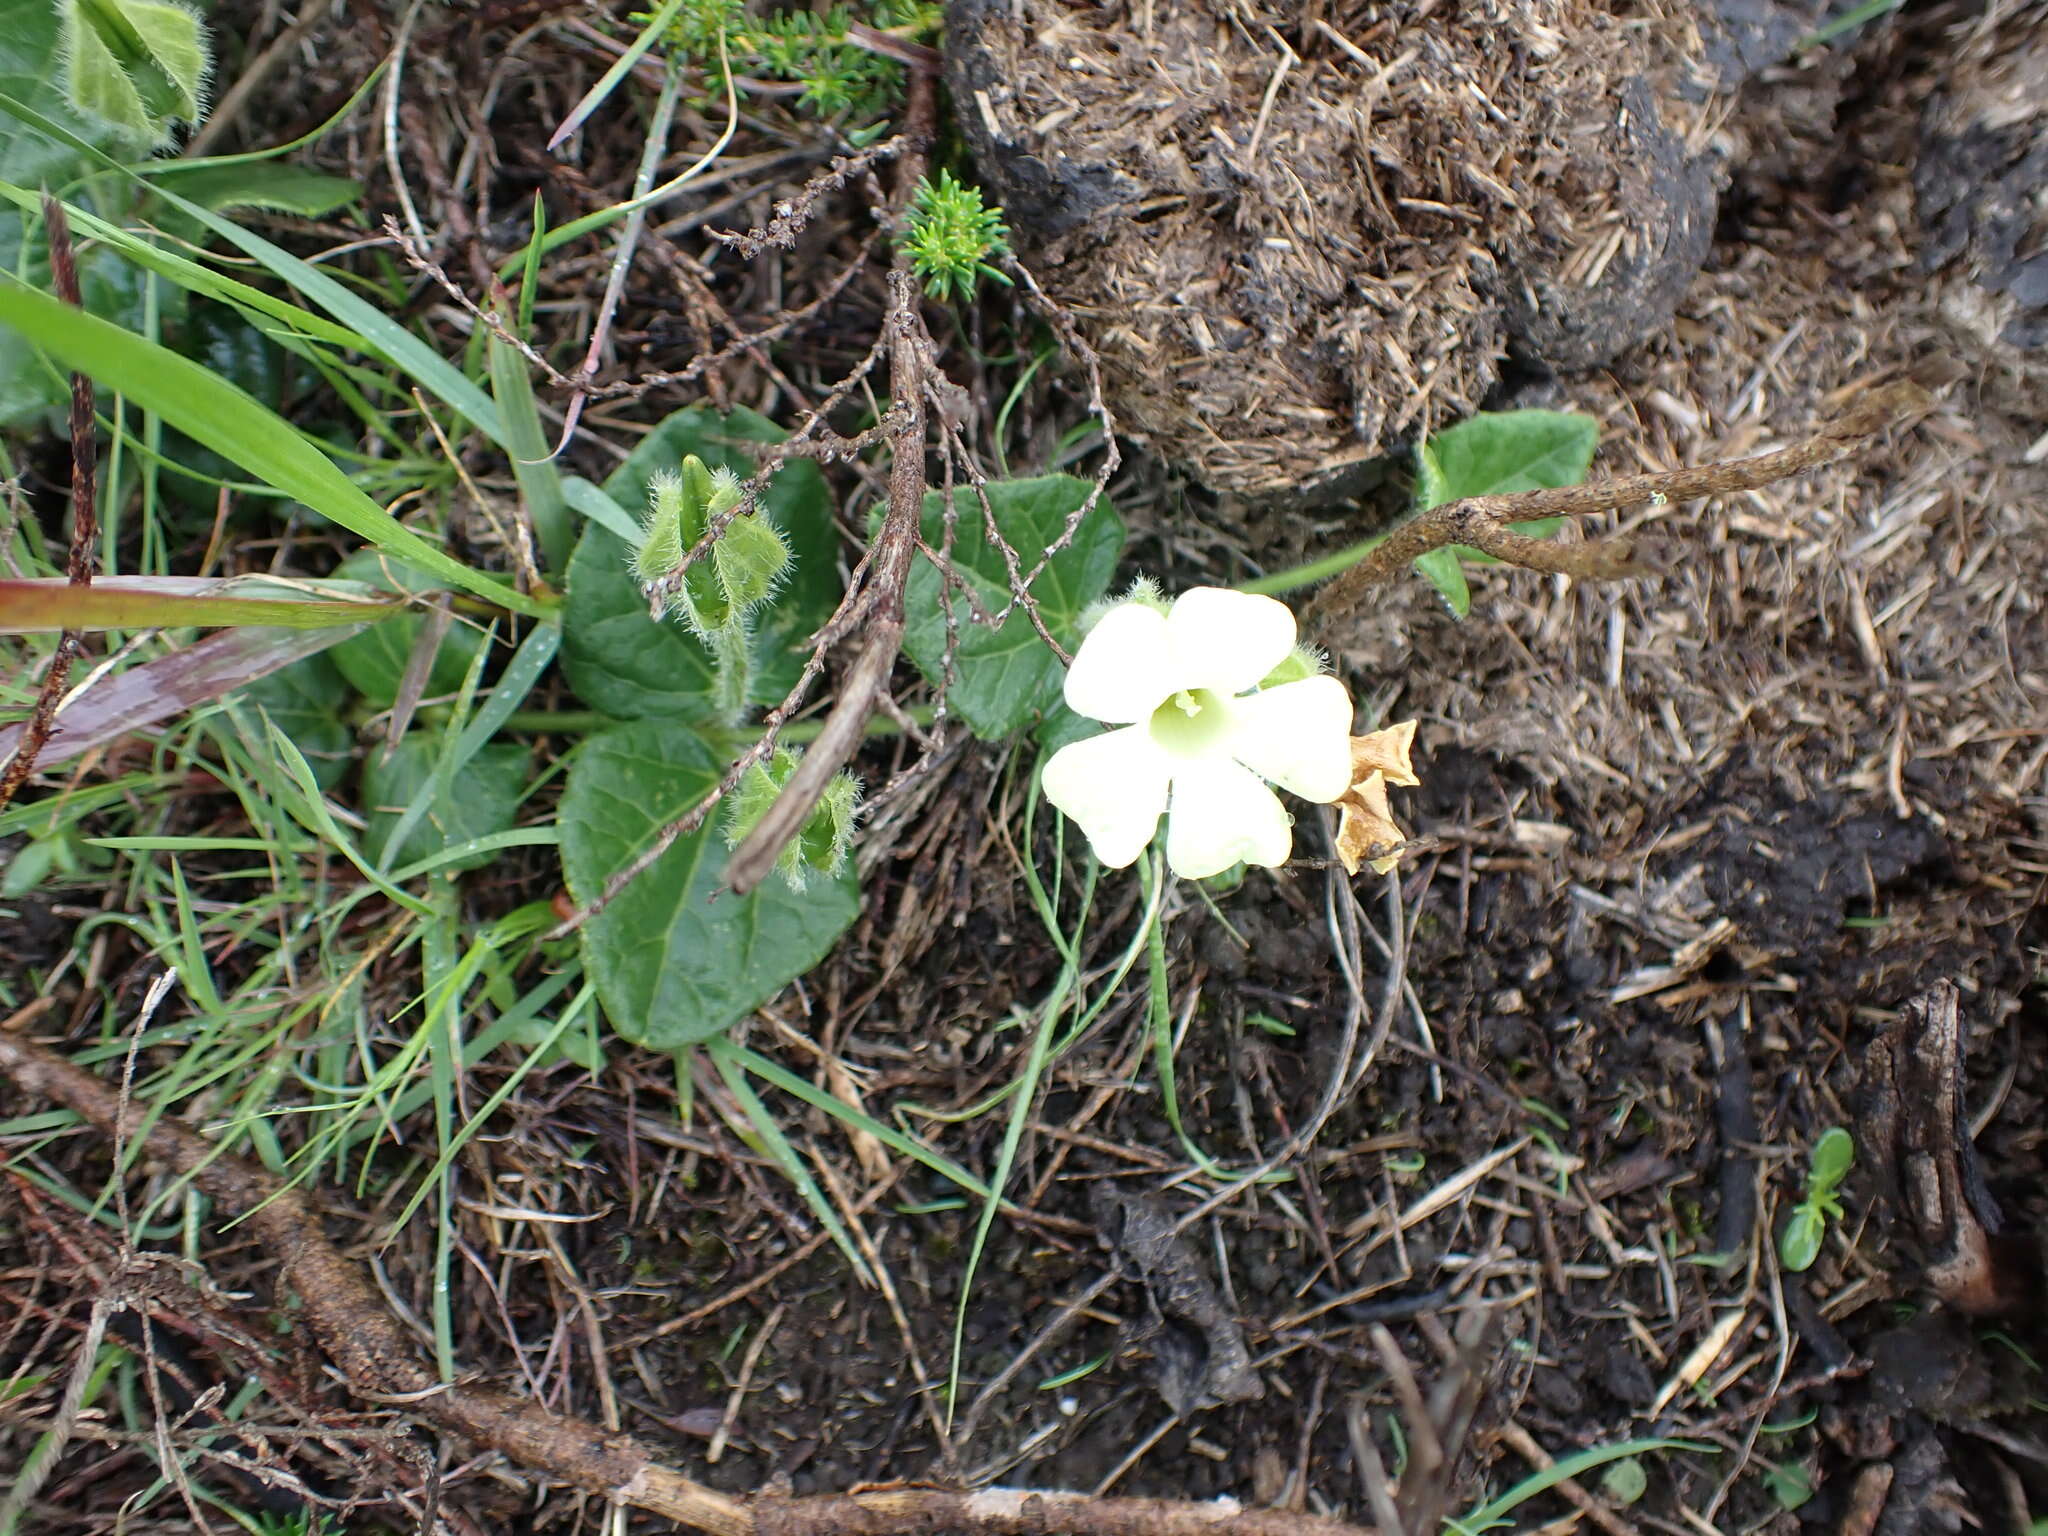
x=1196 y=741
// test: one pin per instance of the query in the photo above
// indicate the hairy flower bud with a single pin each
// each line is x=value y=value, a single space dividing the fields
x=820 y=846
x=745 y=564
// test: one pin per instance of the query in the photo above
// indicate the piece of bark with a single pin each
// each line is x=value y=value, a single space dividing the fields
x=1920 y=1138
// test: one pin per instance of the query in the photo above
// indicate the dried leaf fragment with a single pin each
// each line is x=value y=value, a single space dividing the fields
x=1366 y=831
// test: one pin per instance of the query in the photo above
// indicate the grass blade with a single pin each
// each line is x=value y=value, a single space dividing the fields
x=235 y=425
x=48 y=604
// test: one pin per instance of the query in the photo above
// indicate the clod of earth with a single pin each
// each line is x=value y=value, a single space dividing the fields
x=1298 y=243
x=1198 y=1350
x=1981 y=187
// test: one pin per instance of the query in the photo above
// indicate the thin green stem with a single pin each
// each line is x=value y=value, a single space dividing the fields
x=1296 y=577
x=583 y=722
x=732 y=670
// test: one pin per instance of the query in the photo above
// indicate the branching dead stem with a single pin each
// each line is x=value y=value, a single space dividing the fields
x=380 y=1364
x=1483 y=521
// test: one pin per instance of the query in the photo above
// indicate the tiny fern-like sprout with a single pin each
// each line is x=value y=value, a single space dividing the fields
x=951 y=235
x=811 y=48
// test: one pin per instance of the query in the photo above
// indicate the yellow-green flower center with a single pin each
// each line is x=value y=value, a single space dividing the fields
x=1192 y=722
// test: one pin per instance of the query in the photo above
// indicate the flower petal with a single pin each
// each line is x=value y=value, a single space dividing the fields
x=1227 y=640
x=1124 y=669
x=1114 y=786
x=1298 y=735
x=1222 y=814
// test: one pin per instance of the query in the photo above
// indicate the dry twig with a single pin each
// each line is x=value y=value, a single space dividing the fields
x=1483 y=521
x=36 y=731
x=379 y=1363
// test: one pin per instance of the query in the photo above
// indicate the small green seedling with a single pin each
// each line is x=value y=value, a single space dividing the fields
x=950 y=237
x=1789 y=1484
x=1799 y=1244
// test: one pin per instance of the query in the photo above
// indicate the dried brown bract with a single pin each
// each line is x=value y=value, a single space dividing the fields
x=1366 y=830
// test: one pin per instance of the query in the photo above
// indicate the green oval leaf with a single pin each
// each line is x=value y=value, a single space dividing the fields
x=482 y=801
x=1002 y=679
x=1625 y=1481
x=375 y=661
x=1497 y=453
x=1832 y=1155
x=676 y=959
x=1799 y=1244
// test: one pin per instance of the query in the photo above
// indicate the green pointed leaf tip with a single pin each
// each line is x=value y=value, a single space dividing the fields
x=628 y=665
x=1003 y=679
x=1444 y=570
x=304 y=700
x=262 y=184
x=678 y=960
x=1303 y=662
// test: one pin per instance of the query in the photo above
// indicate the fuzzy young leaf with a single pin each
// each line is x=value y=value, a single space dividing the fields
x=136 y=64
x=628 y=665
x=750 y=559
x=828 y=831
x=680 y=505
x=676 y=959
x=1303 y=662
x=1005 y=677
x=820 y=845
x=32 y=73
